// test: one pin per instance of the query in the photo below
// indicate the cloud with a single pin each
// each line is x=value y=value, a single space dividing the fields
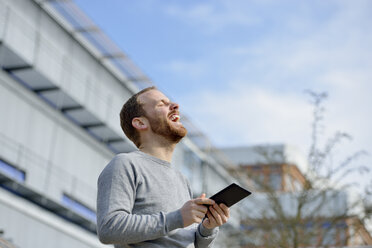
x=324 y=47
x=191 y=69
x=213 y=16
x=349 y=105
x=249 y=115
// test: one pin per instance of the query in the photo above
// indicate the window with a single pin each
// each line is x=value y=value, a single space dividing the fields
x=192 y=169
x=297 y=185
x=275 y=181
x=310 y=234
x=329 y=234
x=288 y=182
x=342 y=237
x=12 y=171
x=258 y=177
x=79 y=207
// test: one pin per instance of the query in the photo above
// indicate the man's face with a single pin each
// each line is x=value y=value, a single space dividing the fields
x=163 y=115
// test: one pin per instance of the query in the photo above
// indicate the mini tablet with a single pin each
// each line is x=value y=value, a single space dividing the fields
x=230 y=195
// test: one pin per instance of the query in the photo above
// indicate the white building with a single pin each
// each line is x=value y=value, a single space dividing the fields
x=62 y=85
x=277 y=173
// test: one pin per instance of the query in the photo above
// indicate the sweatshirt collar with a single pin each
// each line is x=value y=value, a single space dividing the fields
x=155 y=159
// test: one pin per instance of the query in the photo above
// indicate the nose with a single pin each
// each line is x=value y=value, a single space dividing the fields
x=174 y=106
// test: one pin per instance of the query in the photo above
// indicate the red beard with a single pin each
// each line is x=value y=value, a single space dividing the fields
x=163 y=127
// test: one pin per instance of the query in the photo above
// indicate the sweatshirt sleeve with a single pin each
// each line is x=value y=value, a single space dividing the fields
x=115 y=199
x=205 y=237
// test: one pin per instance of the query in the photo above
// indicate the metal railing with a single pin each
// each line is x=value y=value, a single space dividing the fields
x=74 y=20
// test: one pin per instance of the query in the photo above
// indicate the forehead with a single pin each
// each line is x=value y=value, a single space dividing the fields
x=151 y=97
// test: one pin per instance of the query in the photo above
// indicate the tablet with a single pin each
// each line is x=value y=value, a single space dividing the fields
x=230 y=195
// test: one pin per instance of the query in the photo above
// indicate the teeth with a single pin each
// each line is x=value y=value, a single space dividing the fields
x=175 y=117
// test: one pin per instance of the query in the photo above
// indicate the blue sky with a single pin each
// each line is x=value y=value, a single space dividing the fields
x=239 y=68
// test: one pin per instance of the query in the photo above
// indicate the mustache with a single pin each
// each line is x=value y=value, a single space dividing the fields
x=174 y=113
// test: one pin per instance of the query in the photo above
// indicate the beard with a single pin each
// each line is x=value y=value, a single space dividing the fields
x=163 y=128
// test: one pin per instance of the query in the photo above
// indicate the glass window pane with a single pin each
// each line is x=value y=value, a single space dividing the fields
x=275 y=181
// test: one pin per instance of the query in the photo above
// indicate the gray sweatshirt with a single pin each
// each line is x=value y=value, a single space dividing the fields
x=138 y=205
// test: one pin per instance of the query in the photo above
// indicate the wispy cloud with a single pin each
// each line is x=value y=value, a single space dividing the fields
x=213 y=16
x=264 y=100
x=191 y=69
x=249 y=115
x=239 y=68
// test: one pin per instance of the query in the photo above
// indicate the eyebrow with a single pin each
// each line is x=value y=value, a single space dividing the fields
x=166 y=101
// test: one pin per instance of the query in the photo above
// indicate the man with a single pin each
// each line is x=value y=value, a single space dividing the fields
x=142 y=200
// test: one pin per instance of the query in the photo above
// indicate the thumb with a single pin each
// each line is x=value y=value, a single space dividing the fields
x=202 y=196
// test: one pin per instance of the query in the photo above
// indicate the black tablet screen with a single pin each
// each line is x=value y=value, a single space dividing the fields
x=230 y=195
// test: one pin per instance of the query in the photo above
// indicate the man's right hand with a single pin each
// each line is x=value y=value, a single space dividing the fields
x=193 y=211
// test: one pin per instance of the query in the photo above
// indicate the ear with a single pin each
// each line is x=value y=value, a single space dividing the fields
x=140 y=123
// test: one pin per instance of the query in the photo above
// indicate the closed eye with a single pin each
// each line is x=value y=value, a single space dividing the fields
x=163 y=102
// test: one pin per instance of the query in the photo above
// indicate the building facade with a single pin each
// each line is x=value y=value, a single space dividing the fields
x=286 y=210
x=62 y=85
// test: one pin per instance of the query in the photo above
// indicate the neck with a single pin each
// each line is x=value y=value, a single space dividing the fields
x=161 y=150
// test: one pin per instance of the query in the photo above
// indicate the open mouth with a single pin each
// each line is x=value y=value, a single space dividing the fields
x=174 y=117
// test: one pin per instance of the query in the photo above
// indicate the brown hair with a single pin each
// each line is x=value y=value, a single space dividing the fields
x=131 y=109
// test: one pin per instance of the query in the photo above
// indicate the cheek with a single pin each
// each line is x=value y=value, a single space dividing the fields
x=162 y=114
x=156 y=114
x=159 y=117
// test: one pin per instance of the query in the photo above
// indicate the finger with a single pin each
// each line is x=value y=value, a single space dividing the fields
x=198 y=219
x=200 y=215
x=221 y=213
x=219 y=210
x=216 y=215
x=206 y=221
x=202 y=201
x=225 y=209
x=211 y=219
x=201 y=208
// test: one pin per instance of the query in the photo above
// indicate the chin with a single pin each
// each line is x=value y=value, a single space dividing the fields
x=178 y=135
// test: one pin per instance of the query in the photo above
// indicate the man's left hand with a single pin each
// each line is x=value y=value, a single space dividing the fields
x=216 y=216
